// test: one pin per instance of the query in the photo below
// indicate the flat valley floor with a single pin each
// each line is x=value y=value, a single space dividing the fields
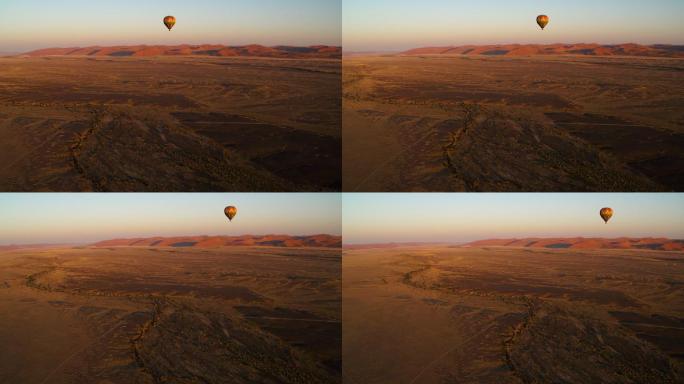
x=170 y=124
x=445 y=314
x=529 y=124
x=170 y=315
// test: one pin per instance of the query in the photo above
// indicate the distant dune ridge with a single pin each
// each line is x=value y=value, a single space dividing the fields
x=659 y=50
x=254 y=50
x=319 y=241
x=661 y=244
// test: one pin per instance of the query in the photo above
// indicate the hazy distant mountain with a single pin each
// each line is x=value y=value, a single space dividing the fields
x=323 y=241
x=661 y=244
x=660 y=50
x=317 y=51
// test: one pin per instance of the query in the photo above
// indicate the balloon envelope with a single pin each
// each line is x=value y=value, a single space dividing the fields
x=543 y=21
x=169 y=21
x=606 y=214
x=230 y=212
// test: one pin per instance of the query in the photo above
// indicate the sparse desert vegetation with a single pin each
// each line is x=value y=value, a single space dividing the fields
x=437 y=120
x=170 y=123
x=514 y=314
x=173 y=313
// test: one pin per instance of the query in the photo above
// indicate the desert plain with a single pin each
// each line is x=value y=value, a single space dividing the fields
x=515 y=118
x=182 y=310
x=563 y=311
x=187 y=118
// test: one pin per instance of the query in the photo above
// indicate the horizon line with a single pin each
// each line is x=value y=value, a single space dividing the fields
x=464 y=242
x=78 y=243
x=437 y=45
x=148 y=44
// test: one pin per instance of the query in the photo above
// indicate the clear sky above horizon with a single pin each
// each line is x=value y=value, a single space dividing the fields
x=27 y=218
x=390 y=25
x=458 y=217
x=32 y=24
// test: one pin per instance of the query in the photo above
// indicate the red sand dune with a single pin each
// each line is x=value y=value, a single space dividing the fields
x=317 y=51
x=661 y=244
x=322 y=241
x=554 y=49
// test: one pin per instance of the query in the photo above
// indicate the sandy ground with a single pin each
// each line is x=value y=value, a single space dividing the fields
x=483 y=123
x=438 y=314
x=172 y=315
x=170 y=124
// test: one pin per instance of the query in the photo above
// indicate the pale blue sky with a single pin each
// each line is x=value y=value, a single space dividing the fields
x=80 y=218
x=31 y=24
x=379 y=25
x=419 y=217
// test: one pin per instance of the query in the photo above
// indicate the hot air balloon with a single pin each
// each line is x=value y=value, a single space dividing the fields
x=230 y=212
x=169 y=21
x=543 y=21
x=606 y=214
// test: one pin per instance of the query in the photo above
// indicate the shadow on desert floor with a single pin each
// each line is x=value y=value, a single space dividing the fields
x=484 y=123
x=146 y=314
x=430 y=314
